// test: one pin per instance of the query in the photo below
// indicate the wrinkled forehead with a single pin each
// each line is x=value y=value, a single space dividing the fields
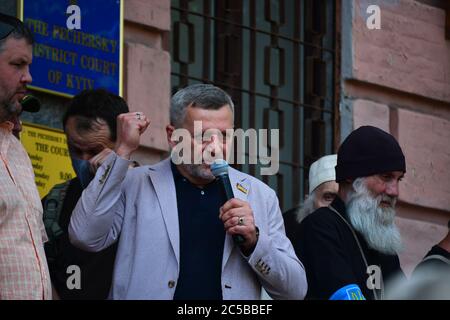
x=391 y=174
x=82 y=130
x=13 y=48
x=208 y=119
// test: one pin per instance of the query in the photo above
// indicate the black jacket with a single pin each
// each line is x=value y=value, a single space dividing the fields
x=330 y=254
x=96 y=267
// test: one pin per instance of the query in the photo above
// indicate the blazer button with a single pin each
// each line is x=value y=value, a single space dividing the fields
x=171 y=284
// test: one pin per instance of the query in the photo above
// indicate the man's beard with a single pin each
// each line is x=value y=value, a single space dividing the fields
x=375 y=223
x=9 y=109
x=306 y=208
x=200 y=171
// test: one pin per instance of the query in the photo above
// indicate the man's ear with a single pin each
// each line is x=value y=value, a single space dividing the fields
x=169 y=131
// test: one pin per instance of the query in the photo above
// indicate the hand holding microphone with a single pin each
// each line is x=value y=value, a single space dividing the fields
x=236 y=214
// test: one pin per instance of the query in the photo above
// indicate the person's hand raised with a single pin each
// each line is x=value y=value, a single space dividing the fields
x=130 y=127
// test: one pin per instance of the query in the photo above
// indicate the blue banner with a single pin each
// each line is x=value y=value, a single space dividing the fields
x=77 y=44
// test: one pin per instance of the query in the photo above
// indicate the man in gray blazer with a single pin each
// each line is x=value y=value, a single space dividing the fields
x=174 y=227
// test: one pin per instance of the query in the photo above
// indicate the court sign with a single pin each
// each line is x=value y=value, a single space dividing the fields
x=47 y=149
x=78 y=44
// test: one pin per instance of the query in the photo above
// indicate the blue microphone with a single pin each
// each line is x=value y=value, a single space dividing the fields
x=349 y=292
x=219 y=169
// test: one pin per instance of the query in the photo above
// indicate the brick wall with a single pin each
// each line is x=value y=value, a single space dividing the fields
x=409 y=53
x=147 y=71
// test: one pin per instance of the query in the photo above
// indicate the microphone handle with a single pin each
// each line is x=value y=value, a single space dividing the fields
x=228 y=191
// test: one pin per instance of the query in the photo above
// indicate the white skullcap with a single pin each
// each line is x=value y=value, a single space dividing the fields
x=322 y=171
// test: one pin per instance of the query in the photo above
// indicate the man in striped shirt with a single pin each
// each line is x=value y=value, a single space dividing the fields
x=23 y=266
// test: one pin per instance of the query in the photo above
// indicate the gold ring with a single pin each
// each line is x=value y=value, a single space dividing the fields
x=241 y=221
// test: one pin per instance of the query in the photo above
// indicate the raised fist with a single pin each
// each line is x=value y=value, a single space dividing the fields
x=130 y=127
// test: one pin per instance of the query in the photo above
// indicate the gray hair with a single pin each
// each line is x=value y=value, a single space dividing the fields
x=307 y=207
x=204 y=96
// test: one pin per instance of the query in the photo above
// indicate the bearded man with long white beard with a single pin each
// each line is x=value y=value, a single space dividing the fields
x=349 y=249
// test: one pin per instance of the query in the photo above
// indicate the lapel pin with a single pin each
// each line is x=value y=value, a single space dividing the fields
x=241 y=188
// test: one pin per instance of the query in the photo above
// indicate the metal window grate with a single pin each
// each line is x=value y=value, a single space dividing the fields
x=277 y=60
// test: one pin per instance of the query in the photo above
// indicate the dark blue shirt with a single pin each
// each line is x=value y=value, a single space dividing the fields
x=202 y=238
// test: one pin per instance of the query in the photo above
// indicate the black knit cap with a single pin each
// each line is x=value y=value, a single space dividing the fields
x=367 y=151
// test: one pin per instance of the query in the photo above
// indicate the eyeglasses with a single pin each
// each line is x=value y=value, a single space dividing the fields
x=7 y=26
